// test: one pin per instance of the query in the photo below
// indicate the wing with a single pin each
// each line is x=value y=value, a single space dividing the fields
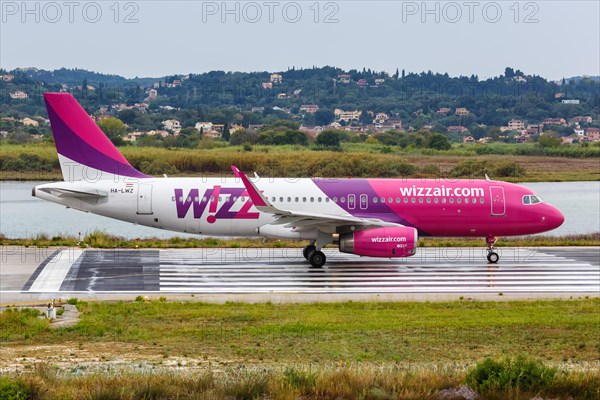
x=304 y=220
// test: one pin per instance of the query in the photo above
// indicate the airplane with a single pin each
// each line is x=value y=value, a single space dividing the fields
x=365 y=217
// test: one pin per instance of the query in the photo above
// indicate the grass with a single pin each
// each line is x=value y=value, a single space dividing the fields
x=39 y=162
x=557 y=331
x=99 y=239
x=341 y=382
x=369 y=350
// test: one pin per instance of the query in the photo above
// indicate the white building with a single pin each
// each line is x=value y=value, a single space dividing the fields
x=347 y=116
x=172 y=125
x=18 y=95
x=516 y=125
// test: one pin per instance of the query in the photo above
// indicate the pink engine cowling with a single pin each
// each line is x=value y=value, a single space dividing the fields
x=380 y=242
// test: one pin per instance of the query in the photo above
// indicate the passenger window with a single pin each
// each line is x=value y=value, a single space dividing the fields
x=189 y=199
x=335 y=199
x=289 y=199
x=281 y=199
x=420 y=200
x=273 y=199
x=343 y=200
x=413 y=200
x=406 y=199
x=304 y=199
x=196 y=199
x=318 y=199
x=398 y=200
x=451 y=200
x=436 y=200
x=390 y=200
x=459 y=200
x=443 y=200
x=204 y=199
x=467 y=200
x=428 y=200
x=296 y=199
x=383 y=199
x=312 y=199
x=326 y=199
x=181 y=199
x=375 y=200
x=481 y=200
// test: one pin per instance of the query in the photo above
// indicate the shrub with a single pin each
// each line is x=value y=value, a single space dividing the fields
x=12 y=390
x=509 y=169
x=519 y=373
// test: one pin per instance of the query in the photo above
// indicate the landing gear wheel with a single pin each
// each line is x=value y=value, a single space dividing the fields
x=316 y=258
x=493 y=257
x=307 y=250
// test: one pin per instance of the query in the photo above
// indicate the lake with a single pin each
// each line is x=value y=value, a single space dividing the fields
x=23 y=216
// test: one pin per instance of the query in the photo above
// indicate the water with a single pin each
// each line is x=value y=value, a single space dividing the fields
x=23 y=216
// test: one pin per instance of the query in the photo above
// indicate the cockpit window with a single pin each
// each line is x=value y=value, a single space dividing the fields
x=531 y=199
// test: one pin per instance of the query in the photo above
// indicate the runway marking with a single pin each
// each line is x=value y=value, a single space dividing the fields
x=52 y=276
x=283 y=271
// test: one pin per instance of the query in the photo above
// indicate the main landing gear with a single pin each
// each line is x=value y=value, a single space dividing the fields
x=315 y=257
x=492 y=256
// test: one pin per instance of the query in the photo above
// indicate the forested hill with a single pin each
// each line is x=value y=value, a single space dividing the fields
x=412 y=97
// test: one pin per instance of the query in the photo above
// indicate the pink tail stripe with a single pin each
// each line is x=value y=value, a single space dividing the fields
x=76 y=118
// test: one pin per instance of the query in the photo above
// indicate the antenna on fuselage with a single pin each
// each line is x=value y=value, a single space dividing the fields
x=487 y=178
x=256 y=175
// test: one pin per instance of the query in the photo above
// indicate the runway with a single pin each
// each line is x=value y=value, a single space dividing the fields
x=549 y=271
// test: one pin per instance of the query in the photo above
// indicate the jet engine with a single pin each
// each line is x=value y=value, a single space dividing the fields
x=380 y=242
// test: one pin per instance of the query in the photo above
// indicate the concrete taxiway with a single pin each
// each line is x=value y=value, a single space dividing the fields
x=29 y=274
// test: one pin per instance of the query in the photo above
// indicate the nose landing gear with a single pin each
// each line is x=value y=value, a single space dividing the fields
x=492 y=256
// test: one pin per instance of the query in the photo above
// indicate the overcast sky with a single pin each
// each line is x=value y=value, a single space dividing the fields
x=553 y=39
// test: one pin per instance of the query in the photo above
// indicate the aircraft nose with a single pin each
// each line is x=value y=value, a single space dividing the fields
x=554 y=218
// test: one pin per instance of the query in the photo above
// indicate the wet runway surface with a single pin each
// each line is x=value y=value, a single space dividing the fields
x=214 y=271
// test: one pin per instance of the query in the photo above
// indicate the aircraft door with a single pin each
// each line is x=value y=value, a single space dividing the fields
x=498 y=201
x=144 y=199
x=364 y=201
x=351 y=201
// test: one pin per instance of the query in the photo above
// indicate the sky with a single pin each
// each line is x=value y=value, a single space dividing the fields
x=553 y=39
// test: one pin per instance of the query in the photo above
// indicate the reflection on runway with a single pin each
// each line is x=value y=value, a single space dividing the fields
x=206 y=271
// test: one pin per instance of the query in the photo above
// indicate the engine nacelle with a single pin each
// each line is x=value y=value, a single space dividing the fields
x=380 y=242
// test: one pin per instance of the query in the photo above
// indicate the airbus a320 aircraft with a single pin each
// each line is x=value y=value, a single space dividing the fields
x=366 y=217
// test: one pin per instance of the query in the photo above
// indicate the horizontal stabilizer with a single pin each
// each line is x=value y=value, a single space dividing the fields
x=80 y=194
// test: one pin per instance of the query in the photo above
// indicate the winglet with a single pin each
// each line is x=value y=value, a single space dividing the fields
x=257 y=197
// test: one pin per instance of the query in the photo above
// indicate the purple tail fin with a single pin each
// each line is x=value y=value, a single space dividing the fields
x=83 y=149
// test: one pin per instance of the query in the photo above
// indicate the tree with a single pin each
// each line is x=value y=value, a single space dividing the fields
x=324 y=117
x=242 y=136
x=548 y=140
x=438 y=142
x=226 y=134
x=329 y=138
x=127 y=116
x=114 y=128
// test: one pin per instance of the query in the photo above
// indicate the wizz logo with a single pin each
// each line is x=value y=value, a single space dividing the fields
x=219 y=201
